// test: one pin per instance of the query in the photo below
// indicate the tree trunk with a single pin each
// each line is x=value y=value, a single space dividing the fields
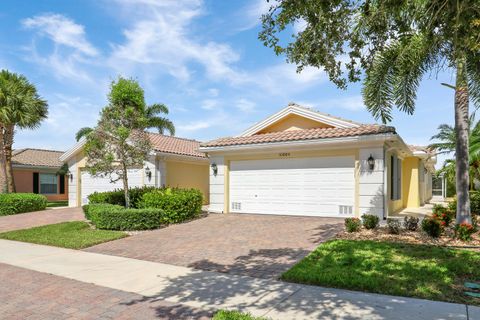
x=125 y=186
x=8 y=138
x=3 y=164
x=461 y=129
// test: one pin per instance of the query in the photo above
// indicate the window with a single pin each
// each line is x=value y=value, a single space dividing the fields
x=48 y=183
x=395 y=178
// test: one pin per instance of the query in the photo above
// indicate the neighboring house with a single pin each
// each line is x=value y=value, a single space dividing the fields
x=37 y=171
x=174 y=162
x=303 y=162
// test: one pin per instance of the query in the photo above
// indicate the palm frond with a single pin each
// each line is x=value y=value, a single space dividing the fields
x=473 y=77
x=155 y=109
x=162 y=125
x=83 y=132
x=415 y=57
x=378 y=85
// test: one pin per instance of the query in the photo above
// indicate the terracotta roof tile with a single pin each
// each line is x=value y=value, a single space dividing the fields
x=299 y=135
x=176 y=145
x=37 y=158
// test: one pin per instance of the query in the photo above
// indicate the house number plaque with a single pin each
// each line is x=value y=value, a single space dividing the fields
x=284 y=154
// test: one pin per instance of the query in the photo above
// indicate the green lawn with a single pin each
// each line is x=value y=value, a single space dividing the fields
x=234 y=315
x=54 y=204
x=420 y=271
x=73 y=235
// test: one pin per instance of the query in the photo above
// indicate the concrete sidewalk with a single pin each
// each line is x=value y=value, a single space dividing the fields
x=212 y=291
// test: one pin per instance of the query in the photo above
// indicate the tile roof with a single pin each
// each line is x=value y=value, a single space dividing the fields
x=176 y=145
x=299 y=135
x=37 y=158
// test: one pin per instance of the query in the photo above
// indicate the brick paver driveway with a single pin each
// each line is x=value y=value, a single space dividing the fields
x=26 y=294
x=39 y=218
x=256 y=245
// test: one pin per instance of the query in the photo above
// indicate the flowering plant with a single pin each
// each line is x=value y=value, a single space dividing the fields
x=464 y=231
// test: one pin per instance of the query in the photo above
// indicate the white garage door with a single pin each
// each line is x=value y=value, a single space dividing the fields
x=304 y=186
x=91 y=184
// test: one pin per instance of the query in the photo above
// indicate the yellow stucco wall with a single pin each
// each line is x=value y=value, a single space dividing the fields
x=189 y=175
x=294 y=122
x=410 y=182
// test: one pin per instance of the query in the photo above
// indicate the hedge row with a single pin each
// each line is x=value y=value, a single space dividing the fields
x=178 y=204
x=114 y=217
x=154 y=209
x=118 y=197
x=13 y=203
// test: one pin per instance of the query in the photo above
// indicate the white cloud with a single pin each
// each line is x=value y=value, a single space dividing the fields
x=352 y=103
x=194 y=125
x=161 y=35
x=61 y=30
x=213 y=92
x=253 y=13
x=284 y=78
x=245 y=105
x=299 y=26
x=71 y=49
x=209 y=104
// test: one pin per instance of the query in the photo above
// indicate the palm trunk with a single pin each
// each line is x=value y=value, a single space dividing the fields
x=3 y=163
x=461 y=129
x=8 y=138
x=125 y=186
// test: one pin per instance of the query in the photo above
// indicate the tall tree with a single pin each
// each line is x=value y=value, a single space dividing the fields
x=119 y=140
x=20 y=107
x=153 y=118
x=445 y=142
x=391 y=45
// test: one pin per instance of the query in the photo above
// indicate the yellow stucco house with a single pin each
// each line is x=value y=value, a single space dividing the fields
x=174 y=162
x=302 y=162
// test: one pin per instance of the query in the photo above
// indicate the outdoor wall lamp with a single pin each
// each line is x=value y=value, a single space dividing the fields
x=148 y=173
x=214 y=169
x=69 y=175
x=371 y=162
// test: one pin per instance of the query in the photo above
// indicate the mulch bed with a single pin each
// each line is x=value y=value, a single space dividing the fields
x=412 y=237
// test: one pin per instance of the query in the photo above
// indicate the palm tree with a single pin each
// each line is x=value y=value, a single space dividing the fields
x=395 y=75
x=152 y=113
x=445 y=143
x=20 y=107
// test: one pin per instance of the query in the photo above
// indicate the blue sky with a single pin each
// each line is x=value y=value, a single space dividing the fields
x=201 y=58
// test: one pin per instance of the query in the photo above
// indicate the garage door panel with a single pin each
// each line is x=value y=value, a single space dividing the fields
x=91 y=184
x=309 y=186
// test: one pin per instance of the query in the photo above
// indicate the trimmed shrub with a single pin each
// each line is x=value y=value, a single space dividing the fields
x=14 y=203
x=393 y=225
x=432 y=226
x=464 y=231
x=86 y=208
x=178 y=204
x=410 y=223
x=114 y=217
x=352 y=224
x=117 y=196
x=438 y=209
x=370 y=221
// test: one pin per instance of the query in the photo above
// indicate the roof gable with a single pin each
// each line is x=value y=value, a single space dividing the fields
x=289 y=119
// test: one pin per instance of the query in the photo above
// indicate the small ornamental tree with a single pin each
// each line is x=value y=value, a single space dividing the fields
x=119 y=141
